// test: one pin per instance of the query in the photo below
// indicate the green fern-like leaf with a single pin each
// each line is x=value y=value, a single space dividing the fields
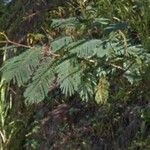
x=69 y=74
x=116 y=27
x=86 y=90
x=61 y=43
x=62 y=23
x=87 y=49
x=43 y=79
x=20 y=68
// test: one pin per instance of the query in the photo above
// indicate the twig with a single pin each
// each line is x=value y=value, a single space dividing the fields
x=14 y=43
x=118 y=67
x=2 y=137
x=123 y=69
x=31 y=15
x=48 y=51
x=12 y=90
x=117 y=19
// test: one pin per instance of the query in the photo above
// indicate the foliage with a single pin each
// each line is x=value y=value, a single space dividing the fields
x=96 y=52
x=77 y=58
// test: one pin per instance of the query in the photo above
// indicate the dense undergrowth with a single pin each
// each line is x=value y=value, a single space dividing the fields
x=80 y=81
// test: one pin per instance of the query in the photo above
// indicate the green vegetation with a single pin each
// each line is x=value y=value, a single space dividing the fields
x=75 y=75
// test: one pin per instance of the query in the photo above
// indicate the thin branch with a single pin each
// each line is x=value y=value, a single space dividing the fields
x=14 y=43
x=47 y=49
x=121 y=68
x=30 y=16
x=116 y=66
x=2 y=137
